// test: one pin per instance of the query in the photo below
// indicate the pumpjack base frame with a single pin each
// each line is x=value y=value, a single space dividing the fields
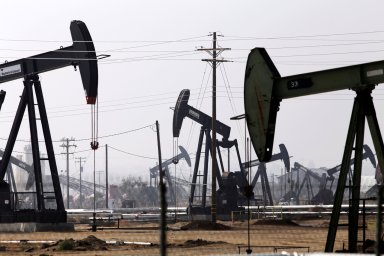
x=28 y=227
x=40 y=214
x=29 y=216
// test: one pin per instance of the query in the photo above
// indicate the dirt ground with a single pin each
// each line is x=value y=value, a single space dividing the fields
x=183 y=238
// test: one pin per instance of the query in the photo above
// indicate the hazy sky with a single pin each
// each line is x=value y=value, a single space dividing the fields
x=153 y=57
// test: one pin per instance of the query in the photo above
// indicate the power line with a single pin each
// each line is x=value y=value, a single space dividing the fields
x=230 y=97
x=131 y=154
x=192 y=129
x=155 y=42
x=173 y=92
x=125 y=106
x=120 y=133
x=169 y=57
x=148 y=57
x=310 y=36
x=190 y=39
x=105 y=136
x=322 y=54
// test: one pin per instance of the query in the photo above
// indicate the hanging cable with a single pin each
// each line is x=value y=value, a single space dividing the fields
x=175 y=159
x=94 y=126
x=94 y=228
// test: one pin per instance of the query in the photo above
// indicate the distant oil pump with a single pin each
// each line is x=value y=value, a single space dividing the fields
x=227 y=192
x=264 y=88
x=368 y=154
x=373 y=191
x=11 y=179
x=323 y=194
x=80 y=54
x=154 y=172
x=262 y=174
x=28 y=168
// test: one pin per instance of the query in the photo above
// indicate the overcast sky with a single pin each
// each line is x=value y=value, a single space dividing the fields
x=153 y=57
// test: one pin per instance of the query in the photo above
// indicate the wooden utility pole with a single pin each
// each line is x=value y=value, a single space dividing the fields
x=67 y=146
x=106 y=176
x=81 y=170
x=163 y=203
x=214 y=52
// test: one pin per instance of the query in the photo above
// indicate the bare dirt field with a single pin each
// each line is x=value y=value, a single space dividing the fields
x=183 y=238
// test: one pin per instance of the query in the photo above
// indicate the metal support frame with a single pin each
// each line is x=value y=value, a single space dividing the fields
x=81 y=54
x=27 y=100
x=362 y=108
x=306 y=180
x=196 y=168
x=208 y=151
x=262 y=173
x=12 y=182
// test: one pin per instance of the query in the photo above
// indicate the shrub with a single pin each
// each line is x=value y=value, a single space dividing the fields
x=66 y=244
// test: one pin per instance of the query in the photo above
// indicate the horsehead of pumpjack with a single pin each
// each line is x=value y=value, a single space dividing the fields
x=182 y=110
x=82 y=42
x=368 y=154
x=183 y=155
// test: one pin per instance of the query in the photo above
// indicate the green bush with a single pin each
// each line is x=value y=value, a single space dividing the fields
x=67 y=244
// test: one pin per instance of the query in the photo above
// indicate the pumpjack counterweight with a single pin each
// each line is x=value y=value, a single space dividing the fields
x=81 y=54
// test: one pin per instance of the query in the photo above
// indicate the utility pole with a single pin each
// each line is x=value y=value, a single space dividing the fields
x=67 y=146
x=106 y=176
x=99 y=174
x=81 y=170
x=99 y=183
x=163 y=203
x=214 y=52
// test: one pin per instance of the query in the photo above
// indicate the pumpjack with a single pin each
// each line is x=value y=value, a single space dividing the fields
x=154 y=172
x=26 y=167
x=227 y=194
x=82 y=55
x=323 y=194
x=373 y=191
x=368 y=154
x=264 y=89
x=262 y=174
x=18 y=197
